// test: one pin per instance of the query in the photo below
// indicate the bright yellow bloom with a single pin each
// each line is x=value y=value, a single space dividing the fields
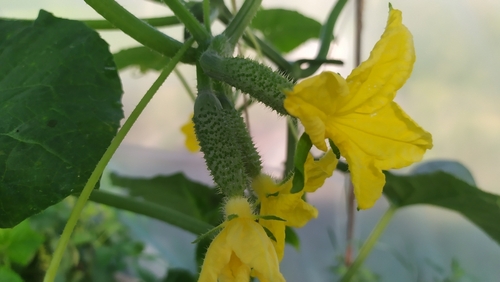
x=191 y=142
x=278 y=201
x=240 y=249
x=371 y=131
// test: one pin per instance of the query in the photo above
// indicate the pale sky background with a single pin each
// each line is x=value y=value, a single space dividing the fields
x=454 y=93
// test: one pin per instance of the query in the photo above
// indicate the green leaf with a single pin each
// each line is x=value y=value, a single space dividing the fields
x=142 y=57
x=179 y=275
x=303 y=147
x=452 y=167
x=444 y=190
x=20 y=243
x=292 y=238
x=285 y=29
x=59 y=106
x=176 y=192
x=8 y=275
x=269 y=233
x=334 y=148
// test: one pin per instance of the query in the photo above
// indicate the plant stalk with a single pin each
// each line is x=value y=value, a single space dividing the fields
x=200 y=34
x=206 y=16
x=152 y=210
x=106 y=25
x=326 y=37
x=274 y=56
x=369 y=243
x=241 y=20
x=139 y=30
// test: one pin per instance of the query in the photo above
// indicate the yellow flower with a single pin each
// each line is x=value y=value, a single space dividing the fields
x=371 y=131
x=278 y=201
x=191 y=142
x=240 y=249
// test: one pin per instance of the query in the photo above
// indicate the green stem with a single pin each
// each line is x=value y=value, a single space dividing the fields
x=96 y=174
x=342 y=166
x=206 y=16
x=245 y=104
x=252 y=38
x=105 y=25
x=185 y=84
x=153 y=210
x=369 y=243
x=272 y=54
x=139 y=30
x=291 y=143
x=200 y=34
x=326 y=37
x=203 y=82
x=241 y=20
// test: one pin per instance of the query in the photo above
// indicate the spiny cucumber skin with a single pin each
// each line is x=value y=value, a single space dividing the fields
x=222 y=155
x=250 y=156
x=251 y=77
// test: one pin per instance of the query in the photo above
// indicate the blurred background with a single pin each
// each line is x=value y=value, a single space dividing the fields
x=454 y=93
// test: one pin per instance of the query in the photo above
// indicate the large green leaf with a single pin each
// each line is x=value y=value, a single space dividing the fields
x=285 y=29
x=142 y=57
x=59 y=106
x=176 y=192
x=445 y=190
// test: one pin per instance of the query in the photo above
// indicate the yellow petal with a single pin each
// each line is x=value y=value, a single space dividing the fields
x=264 y=185
x=374 y=83
x=191 y=142
x=288 y=206
x=368 y=181
x=388 y=137
x=250 y=243
x=312 y=100
x=323 y=91
x=216 y=258
x=370 y=143
x=311 y=117
x=283 y=204
x=235 y=271
x=301 y=214
x=277 y=228
x=316 y=172
x=242 y=246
